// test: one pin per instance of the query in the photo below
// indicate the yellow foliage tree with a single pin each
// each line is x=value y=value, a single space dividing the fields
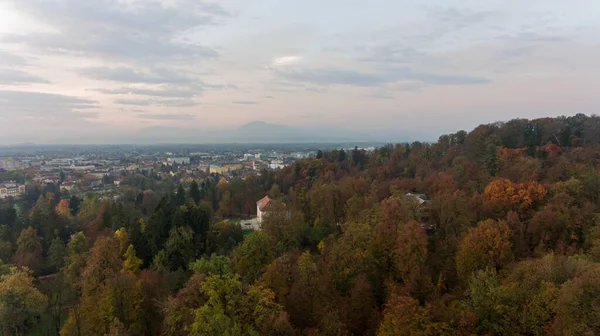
x=123 y=239
x=20 y=301
x=486 y=246
x=131 y=263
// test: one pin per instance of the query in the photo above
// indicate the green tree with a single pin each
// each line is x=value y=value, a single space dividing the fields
x=487 y=299
x=57 y=254
x=20 y=301
x=76 y=257
x=180 y=197
x=577 y=310
x=230 y=310
x=215 y=265
x=286 y=229
x=195 y=192
x=74 y=205
x=29 y=250
x=251 y=257
x=180 y=249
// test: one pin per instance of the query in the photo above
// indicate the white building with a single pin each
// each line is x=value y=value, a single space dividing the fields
x=11 y=190
x=420 y=198
x=179 y=160
x=8 y=163
x=261 y=208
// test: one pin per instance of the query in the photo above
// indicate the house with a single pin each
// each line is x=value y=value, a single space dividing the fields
x=11 y=189
x=179 y=160
x=261 y=208
x=226 y=168
x=95 y=184
x=420 y=198
x=67 y=185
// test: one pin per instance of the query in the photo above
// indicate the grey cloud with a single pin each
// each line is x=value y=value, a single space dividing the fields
x=372 y=79
x=244 y=102
x=163 y=92
x=315 y=90
x=177 y=103
x=14 y=77
x=143 y=30
x=532 y=37
x=129 y=75
x=136 y=102
x=392 y=53
x=382 y=95
x=167 y=116
x=439 y=79
x=457 y=17
x=9 y=59
x=161 y=103
x=332 y=76
x=44 y=105
x=518 y=51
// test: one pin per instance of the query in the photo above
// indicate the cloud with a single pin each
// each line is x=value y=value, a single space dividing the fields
x=531 y=38
x=336 y=76
x=9 y=59
x=167 y=116
x=141 y=30
x=382 y=95
x=46 y=106
x=327 y=77
x=15 y=77
x=392 y=53
x=136 y=102
x=286 y=61
x=244 y=102
x=177 y=103
x=516 y=51
x=161 y=103
x=162 y=92
x=457 y=17
x=129 y=75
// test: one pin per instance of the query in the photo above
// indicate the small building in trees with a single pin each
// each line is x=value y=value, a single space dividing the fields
x=261 y=208
x=420 y=198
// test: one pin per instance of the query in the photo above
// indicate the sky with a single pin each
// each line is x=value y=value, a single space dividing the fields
x=74 y=70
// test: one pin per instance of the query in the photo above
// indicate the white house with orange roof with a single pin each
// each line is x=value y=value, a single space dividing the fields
x=261 y=208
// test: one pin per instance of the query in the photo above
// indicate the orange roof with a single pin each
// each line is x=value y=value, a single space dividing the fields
x=262 y=204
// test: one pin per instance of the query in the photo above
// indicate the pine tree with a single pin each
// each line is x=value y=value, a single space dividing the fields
x=195 y=192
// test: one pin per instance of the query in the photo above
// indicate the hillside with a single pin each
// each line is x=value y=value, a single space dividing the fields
x=488 y=232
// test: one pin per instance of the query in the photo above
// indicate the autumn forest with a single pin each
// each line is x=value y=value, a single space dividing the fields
x=490 y=232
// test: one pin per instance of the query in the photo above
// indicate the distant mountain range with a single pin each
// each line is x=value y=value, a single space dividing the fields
x=258 y=132
x=262 y=132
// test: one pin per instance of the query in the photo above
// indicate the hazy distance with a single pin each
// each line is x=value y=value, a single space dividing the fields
x=125 y=71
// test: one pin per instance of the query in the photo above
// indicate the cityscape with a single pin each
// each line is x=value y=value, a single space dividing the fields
x=106 y=170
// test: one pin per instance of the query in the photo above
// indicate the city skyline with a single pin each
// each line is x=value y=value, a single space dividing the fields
x=75 y=71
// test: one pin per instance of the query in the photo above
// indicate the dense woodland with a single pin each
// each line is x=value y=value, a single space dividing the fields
x=507 y=243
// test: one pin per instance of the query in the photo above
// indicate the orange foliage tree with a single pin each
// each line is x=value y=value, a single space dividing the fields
x=509 y=195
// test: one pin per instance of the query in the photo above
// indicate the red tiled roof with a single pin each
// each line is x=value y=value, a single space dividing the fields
x=262 y=204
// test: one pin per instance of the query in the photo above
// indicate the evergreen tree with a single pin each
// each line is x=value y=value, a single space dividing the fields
x=195 y=192
x=180 y=197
